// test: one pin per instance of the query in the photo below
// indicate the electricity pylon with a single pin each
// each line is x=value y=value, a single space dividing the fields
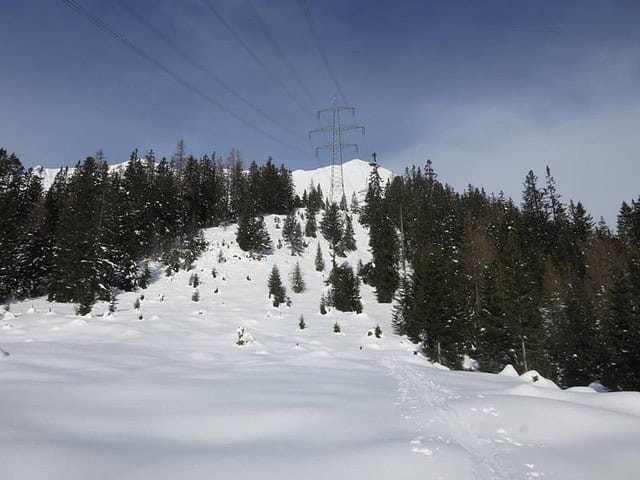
x=336 y=146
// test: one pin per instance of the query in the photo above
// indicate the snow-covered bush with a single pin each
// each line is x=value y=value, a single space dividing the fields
x=244 y=337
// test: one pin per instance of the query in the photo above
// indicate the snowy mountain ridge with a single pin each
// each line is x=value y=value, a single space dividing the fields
x=355 y=172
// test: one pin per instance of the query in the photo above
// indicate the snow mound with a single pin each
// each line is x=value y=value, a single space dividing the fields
x=532 y=376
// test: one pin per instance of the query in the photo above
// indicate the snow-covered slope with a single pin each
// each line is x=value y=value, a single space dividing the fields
x=356 y=175
x=165 y=392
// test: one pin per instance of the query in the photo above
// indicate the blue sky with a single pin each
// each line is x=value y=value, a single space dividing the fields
x=487 y=89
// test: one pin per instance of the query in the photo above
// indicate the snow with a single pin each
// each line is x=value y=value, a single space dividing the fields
x=356 y=178
x=172 y=395
x=534 y=377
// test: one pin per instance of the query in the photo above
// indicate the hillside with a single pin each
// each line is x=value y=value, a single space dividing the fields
x=165 y=392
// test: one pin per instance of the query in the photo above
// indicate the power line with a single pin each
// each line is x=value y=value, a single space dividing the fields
x=306 y=13
x=276 y=46
x=199 y=66
x=336 y=146
x=185 y=83
x=256 y=58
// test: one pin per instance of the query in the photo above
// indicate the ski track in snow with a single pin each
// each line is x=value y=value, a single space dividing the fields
x=428 y=406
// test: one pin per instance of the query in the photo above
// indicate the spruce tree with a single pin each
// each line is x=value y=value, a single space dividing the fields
x=292 y=234
x=310 y=226
x=298 y=284
x=323 y=304
x=345 y=289
x=319 y=261
x=354 y=206
x=277 y=292
x=623 y=328
x=331 y=227
x=348 y=237
x=382 y=240
x=252 y=234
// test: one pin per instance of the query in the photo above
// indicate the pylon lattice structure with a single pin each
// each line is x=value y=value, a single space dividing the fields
x=336 y=146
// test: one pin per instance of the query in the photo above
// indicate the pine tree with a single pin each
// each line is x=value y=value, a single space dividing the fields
x=310 y=226
x=577 y=342
x=323 y=304
x=354 y=206
x=297 y=282
x=343 y=202
x=534 y=215
x=331 y=227
x=623 y=328
x=345 y=289
x=319 y=261
x=382 y=240
x=349 y=238
x=301 y=323
x=80 y=273
x=179 y=156
x=252 y=235
x=402 y=320
x=277 y=292
x=292 y=234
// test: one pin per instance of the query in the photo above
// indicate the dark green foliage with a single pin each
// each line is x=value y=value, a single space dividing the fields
x=378 y=332
x=355 y=205
x=292 y=234
x=331 y=226
x=382 y=240
x=315 y=199
x=298 y=284
x=345 y=289
x=112 y=303
x=348 y=237
x=319 y=261
x=537 y=286
x=301 y=323
x=323 y=305
x=252 y=234
x=622 y=337
x=277 y=292
x=310 y=226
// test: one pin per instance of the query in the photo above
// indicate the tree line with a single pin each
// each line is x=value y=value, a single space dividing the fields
x=539 y=285
x=93 y=230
